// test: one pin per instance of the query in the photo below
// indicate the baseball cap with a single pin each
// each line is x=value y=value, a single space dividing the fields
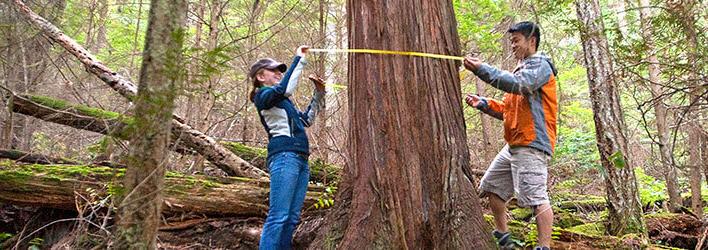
x=266 y=63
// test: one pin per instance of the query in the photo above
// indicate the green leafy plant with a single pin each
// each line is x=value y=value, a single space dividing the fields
x=327 y=198
x=651 y=190
x=4 y=236
x=36 y=243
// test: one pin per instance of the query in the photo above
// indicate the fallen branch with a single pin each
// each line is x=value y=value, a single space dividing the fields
x=32 y=158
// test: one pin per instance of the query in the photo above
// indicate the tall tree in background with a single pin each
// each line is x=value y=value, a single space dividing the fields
x=697 y=141
x=660 y=110
x=625 y=211
x=161 y=74
x=406 y=184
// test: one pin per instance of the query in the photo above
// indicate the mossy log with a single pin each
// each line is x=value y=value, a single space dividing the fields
x=320 y=171
x=674 y=230
x=58 y=186
x=118 y=125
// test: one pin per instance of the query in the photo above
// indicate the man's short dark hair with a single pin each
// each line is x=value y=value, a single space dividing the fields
x=527 y=29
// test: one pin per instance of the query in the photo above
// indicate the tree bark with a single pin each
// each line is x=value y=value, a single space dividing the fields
x=660 y=110
x=696 y=139
x=161 y=75
x=625 y=211
x=320 y=62
x=58 y=186
x=197 y=140
x=406 y=185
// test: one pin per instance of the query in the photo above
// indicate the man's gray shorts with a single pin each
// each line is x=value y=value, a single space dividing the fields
x=520 y=171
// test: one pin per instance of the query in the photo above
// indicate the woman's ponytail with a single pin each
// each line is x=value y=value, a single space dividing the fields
x=254 y=90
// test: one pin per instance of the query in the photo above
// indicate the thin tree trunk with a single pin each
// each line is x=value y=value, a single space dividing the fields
x=696 y=141
x=197 y=140
x=625 y=211
x=408 y=183
x=206 y=100
x=28 y=64
x=485 y=122
x=660 y=110
x=320 y=69
x=161 y=75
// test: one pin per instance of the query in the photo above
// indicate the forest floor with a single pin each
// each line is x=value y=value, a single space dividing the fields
x=60 y=229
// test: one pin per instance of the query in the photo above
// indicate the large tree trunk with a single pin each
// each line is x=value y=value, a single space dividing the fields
x=625 y=211
x=406 y=185
x=161 y=75
x=196 y=140
x=58 y=186
x=662 y=130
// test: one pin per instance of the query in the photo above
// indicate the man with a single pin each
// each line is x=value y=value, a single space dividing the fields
x=529 y=111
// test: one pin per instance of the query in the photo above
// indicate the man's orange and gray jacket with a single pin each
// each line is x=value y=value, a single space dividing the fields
x=530 y=105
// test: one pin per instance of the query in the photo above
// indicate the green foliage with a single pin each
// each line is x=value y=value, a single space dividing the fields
x=36 y=243
x=521 y=213
x=476 y=22
x=566 y=219
x=4 y=236
x=327 y=198
x=576 y=150
x=60 y=104
x=617 y=159
x=247 y=153
x=595 y=229
x=651 y=190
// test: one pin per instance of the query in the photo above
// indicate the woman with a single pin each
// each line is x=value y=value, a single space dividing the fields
x=288 y=146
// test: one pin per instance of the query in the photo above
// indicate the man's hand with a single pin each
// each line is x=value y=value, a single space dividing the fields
x=302 y=50
x=473 y=100
x=472 y=63
x=319 y=83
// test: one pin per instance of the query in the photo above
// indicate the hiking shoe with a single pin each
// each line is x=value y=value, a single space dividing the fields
x=503 y=240
x=541 y=248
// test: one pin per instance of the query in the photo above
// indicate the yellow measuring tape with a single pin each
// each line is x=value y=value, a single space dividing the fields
x=388 y=52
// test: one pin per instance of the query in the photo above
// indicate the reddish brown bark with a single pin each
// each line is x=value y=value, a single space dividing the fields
x=405 y=186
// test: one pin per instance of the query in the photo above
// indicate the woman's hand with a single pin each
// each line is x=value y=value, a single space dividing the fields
x=302 y=50
x=319 y=83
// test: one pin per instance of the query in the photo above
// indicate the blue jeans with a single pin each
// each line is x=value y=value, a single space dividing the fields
x=289 y=175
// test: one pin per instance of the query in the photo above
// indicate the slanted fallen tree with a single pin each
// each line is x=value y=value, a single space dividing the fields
x=117 y=125
x=57 y=186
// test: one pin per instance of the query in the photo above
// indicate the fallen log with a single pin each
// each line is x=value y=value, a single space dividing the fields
x=192 y=138
x=57 y=186
x=117 y=125
x=33 y=158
